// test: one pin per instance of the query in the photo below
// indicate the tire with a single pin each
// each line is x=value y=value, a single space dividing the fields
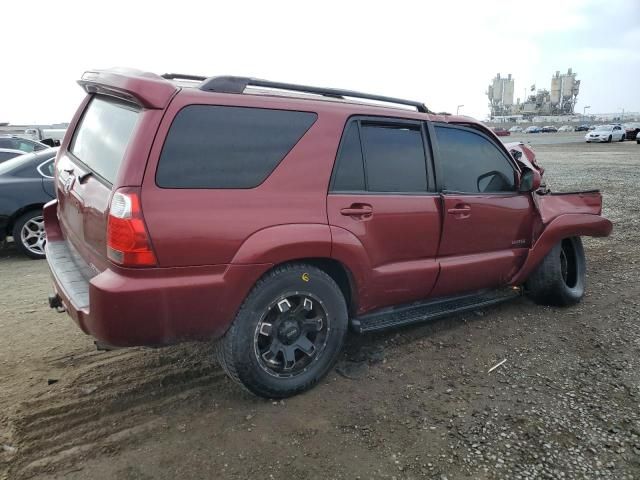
x=29 y=235
x=609 y=139
x=622 y=138
x=267 y=322
x=560 y=279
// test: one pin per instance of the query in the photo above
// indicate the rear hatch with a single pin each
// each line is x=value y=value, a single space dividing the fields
x=89 y=168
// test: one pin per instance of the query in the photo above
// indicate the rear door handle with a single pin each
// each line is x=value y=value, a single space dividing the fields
x=357 y=210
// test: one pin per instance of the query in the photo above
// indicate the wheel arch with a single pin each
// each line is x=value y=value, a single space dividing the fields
x=18 y=213
x=564 y=226
x=338 y=271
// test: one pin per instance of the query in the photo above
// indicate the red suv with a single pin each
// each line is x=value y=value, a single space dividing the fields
x=274 y=216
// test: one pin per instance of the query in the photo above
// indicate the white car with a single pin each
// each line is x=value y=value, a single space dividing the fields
x=606 y=133
x=515 y=128
x=566 y=128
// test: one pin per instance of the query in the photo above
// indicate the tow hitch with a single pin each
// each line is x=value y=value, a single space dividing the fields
x=55 y=302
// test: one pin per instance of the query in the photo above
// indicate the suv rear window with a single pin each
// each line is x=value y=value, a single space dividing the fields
x=228 y=147
x=102 y=136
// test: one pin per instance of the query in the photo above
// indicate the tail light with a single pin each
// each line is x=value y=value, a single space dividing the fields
x=128 y=241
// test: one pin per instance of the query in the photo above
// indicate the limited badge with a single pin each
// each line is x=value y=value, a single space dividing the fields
x=305 y=277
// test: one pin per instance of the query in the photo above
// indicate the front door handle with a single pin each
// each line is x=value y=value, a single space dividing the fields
x=357 y=210
x=462 y=210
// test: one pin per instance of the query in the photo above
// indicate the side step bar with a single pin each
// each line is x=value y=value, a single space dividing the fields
x=430 y=310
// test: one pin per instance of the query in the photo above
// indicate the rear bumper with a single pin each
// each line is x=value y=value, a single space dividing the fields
x=151 y=306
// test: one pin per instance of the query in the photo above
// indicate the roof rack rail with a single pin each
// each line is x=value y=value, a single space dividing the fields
x=182 y=76
x=231 y=84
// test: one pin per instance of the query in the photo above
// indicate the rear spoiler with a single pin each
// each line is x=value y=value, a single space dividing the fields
x=146 y=89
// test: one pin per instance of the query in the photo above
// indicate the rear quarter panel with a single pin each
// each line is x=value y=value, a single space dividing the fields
x=209 y=226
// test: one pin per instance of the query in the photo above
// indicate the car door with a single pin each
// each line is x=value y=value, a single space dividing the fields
x=487 y=223
x=383 y=211
x=618 y=132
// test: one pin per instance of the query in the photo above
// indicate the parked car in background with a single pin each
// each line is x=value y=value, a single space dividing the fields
x=549 y=129
x=593 y=127
x=566 y=128
x=532 y=129
x=582 y=128
x=211 y=211
x=25 y=145
x=26 y=184
x=7 y=153
x=606 y=133
x=632 y=130
x=501 y=132
x=638 y=138
x=515 y=129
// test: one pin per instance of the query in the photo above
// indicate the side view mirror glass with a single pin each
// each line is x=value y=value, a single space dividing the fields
x=494 y=181
x=530 y=181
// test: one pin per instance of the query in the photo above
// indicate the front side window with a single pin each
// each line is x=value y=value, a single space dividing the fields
x=228 y=147
x=471 y=163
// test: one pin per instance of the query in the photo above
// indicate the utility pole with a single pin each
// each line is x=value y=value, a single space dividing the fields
x=584 y=110
x=458 y=109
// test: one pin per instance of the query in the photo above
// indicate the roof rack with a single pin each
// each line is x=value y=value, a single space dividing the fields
x=231 y=84
x=182 y=76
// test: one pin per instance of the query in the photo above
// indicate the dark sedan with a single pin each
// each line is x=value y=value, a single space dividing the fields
x=582 y=128
x=632 y=130
x=26 y=184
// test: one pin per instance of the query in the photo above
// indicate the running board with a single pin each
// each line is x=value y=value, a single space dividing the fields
x=402 y=315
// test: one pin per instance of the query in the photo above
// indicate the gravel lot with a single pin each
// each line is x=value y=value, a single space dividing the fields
x=412 y=403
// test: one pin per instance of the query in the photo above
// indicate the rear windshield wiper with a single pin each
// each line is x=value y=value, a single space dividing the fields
x=84 y=176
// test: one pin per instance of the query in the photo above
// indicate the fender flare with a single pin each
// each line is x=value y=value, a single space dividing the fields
x=348 y=250
x=563 y=226
x=282 y=243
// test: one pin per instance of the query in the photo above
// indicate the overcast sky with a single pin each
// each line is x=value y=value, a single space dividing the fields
x=443 y=53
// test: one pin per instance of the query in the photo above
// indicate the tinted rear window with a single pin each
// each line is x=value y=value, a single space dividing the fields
x=228 y=147
x=394 y=158
x=103 y=134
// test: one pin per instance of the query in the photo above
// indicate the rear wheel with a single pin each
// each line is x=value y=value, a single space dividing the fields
x=29 y=234
x=287 y=334
x=561 y=277
x=609 y=139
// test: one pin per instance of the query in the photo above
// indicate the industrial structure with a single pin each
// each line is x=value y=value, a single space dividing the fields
x=560 y=100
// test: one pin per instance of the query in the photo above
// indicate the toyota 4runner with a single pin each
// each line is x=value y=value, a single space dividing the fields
x=272 y=217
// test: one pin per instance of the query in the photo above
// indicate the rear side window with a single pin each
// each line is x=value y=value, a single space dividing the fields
x=381 y=157
x=228 y=147
x=102 y=136
x=349 y=175
x=394 y=158
x=471 y=163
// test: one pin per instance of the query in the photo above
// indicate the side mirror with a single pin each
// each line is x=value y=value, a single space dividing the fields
x=530 y=181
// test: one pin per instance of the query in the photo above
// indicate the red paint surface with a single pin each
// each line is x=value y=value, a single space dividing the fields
x=213 y=245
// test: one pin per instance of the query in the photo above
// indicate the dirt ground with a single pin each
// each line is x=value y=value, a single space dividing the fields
x=412 y=403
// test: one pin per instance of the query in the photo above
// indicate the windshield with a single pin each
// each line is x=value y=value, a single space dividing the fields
x=103 y=134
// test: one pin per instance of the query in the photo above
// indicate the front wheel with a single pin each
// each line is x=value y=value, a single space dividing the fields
x=287 y=334
x=561 y=277
x=29 y=234
x=609 y=139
